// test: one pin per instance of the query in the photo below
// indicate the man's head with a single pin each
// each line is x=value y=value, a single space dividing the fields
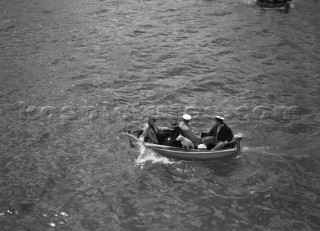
x=186 y=117
x=152 y=120
x=218 y=120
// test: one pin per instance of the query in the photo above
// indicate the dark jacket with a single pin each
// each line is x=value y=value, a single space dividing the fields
x=225 y=133
x=174 y=134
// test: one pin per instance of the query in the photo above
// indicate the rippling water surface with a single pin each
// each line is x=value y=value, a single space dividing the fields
x=76 y=74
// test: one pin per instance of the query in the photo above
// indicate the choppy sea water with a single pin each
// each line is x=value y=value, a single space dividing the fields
x=77 y=74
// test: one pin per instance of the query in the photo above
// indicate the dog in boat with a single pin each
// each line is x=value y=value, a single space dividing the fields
x=185 y=142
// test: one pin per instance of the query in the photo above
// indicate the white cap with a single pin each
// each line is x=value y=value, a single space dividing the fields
x=220 y=117
x=186 y=116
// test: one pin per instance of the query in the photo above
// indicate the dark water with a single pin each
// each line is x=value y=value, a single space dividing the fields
x=76 y=74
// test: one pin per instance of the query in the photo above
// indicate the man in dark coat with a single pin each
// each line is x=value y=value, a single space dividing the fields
x=175 y=132
x=219 y=136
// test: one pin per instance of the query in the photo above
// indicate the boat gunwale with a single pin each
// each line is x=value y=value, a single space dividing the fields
x=186 y=151
x=188 y=154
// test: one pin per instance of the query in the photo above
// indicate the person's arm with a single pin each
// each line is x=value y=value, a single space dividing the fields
x=228 y=138
x=229 y=135
x=183 y=127
x=144 y=134
x=158 y=128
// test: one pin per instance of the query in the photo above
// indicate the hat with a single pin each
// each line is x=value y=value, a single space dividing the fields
x=219 y=119
x=186 y=116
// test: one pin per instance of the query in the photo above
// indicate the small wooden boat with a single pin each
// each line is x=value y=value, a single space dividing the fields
x=189 y=154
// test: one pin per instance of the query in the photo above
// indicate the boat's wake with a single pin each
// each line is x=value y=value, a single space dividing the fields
x=147 y=155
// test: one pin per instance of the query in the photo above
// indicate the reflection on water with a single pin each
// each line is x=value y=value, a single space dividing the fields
x=76 y=75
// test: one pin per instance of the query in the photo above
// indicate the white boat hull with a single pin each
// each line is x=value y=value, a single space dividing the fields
x=188 y=154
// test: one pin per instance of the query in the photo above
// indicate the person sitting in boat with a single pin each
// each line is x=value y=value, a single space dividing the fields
x=175 y=132
x=219 y=136
x=187 y=130
x=150 y=131
x=274 y=3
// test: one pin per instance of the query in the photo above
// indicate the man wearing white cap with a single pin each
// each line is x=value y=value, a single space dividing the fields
x=219 y=136
x=187 y=130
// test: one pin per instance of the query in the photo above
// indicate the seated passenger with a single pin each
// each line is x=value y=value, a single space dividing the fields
x=219 y=136
x=175 y=132
x=187 y=130
x=150 y=132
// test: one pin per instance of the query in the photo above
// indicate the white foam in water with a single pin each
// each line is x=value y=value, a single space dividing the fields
x=262 y=148
x=148 y=155
x=244 y=148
